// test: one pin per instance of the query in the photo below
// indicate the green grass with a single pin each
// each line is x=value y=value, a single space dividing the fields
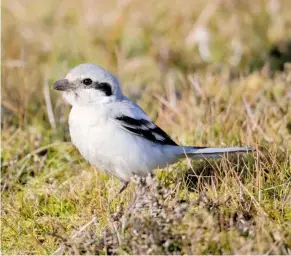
x=229 y=89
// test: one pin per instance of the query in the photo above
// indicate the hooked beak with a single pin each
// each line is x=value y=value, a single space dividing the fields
x=63 y=85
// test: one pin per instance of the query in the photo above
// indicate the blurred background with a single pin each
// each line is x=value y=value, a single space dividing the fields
x=149 y=45
x=209 y=72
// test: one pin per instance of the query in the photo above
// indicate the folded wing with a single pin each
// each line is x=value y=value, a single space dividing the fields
x=146 y=129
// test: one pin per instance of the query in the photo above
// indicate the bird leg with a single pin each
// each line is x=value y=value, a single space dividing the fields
x=122 y=187
x=120 y=190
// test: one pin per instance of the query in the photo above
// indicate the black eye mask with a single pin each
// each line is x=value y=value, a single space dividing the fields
x=104 y=87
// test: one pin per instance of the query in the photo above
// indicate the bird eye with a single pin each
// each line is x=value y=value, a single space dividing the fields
x=87 y=81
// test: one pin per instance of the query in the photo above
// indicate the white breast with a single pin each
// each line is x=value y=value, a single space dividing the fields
x=86 y=128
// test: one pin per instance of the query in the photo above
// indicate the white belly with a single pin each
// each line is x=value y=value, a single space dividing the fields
x=109 y=148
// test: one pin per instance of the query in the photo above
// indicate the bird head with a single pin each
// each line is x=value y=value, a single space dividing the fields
x=88 y=84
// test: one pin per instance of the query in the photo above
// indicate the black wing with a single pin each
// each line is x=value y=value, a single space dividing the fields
x=146 y=129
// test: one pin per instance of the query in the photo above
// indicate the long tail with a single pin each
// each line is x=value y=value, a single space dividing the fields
x=199 y=152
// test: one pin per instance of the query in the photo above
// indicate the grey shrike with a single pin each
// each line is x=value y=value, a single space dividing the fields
x=115 y=134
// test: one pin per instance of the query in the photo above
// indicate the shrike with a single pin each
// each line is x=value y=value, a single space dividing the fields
x=115 y=134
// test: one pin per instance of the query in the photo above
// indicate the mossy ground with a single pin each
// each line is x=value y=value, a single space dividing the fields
x=209 y=73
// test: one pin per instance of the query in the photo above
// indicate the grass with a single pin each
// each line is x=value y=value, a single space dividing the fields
x=210 y=73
